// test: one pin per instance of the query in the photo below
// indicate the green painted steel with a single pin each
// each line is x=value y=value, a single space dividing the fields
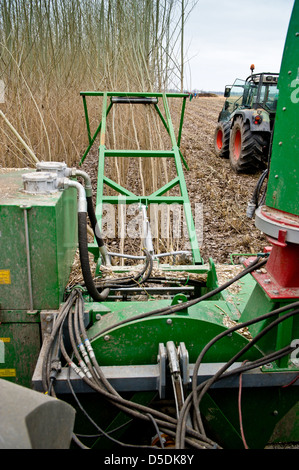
x=137 y=342
x=125 y=196
x=32 y=277
x=283 y=184
x=52 y=228
x=20 y=336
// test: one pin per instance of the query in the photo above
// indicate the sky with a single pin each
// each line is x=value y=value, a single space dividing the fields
x=224 y=37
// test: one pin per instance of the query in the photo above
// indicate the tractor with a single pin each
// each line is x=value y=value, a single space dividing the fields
x=245 y=123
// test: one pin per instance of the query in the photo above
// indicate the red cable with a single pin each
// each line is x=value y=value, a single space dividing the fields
x=240 y=411
x=292 y=382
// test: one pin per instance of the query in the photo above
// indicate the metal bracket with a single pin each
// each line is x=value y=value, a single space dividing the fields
x=184 y=364
x=162 y=357
x=178 y=361
x=174 y=367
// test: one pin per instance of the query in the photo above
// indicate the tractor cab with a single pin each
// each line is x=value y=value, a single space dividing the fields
x=249 y=111
x=260 y=91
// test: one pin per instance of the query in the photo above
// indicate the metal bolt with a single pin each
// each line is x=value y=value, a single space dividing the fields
x=269 y=366
x=267 y=281
x=106 y=337
x=276 y=176
x=275 y=412
x=280 y=143
x=98 y=316
x=284 y=108
x=169 y=321
x=275 y=292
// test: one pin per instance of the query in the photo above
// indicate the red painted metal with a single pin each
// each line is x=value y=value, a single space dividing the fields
x=271 y=286
x=280 y=278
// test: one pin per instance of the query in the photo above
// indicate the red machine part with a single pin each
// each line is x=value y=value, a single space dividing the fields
x=280 y=278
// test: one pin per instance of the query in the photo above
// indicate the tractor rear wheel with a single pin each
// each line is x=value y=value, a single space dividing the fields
x=247 y=149
x=221 y=139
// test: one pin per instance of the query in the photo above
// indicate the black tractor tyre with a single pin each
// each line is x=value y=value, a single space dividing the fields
x=221 y=139
x=247 y=149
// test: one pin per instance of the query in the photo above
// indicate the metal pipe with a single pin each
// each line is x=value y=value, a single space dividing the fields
x=85 y=176
x=67 y=183
x=158 y=255
x=147 y=236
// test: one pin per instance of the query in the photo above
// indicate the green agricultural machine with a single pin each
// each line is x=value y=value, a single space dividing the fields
x=198 y=362
x=246 y=122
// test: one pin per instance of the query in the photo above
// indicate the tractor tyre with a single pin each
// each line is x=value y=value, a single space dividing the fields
x=247 y=150
x=221 y=139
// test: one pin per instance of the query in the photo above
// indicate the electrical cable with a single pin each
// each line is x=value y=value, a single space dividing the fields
x=156 y=429
x=52 y=337
x=136 y=410
x=133 y=409
x=181 y=428
x=240 y=411
x=101 y=431
x=193 y=396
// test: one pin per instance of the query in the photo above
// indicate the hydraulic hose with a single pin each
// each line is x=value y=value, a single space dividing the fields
x=83 y=242
x=254 y=202
x=124 y=282
x=84 y=259
x=171 y=309
x=94 y=222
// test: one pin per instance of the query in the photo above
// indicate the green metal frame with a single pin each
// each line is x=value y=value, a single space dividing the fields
x=157 y=197
x=283 y=183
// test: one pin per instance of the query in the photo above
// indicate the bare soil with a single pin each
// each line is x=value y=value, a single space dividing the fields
x=224 y=195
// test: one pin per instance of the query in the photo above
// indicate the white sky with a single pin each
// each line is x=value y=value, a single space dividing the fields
x=224 y=37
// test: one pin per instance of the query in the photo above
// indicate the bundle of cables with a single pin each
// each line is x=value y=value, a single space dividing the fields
x=81 y=358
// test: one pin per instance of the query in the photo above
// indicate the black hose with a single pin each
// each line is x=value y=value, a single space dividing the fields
x=140 y=277
x=94 y=222
x=256 y=193
x=182 y=420
x=84 y=259
x=205 y=385
x=132 y=409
